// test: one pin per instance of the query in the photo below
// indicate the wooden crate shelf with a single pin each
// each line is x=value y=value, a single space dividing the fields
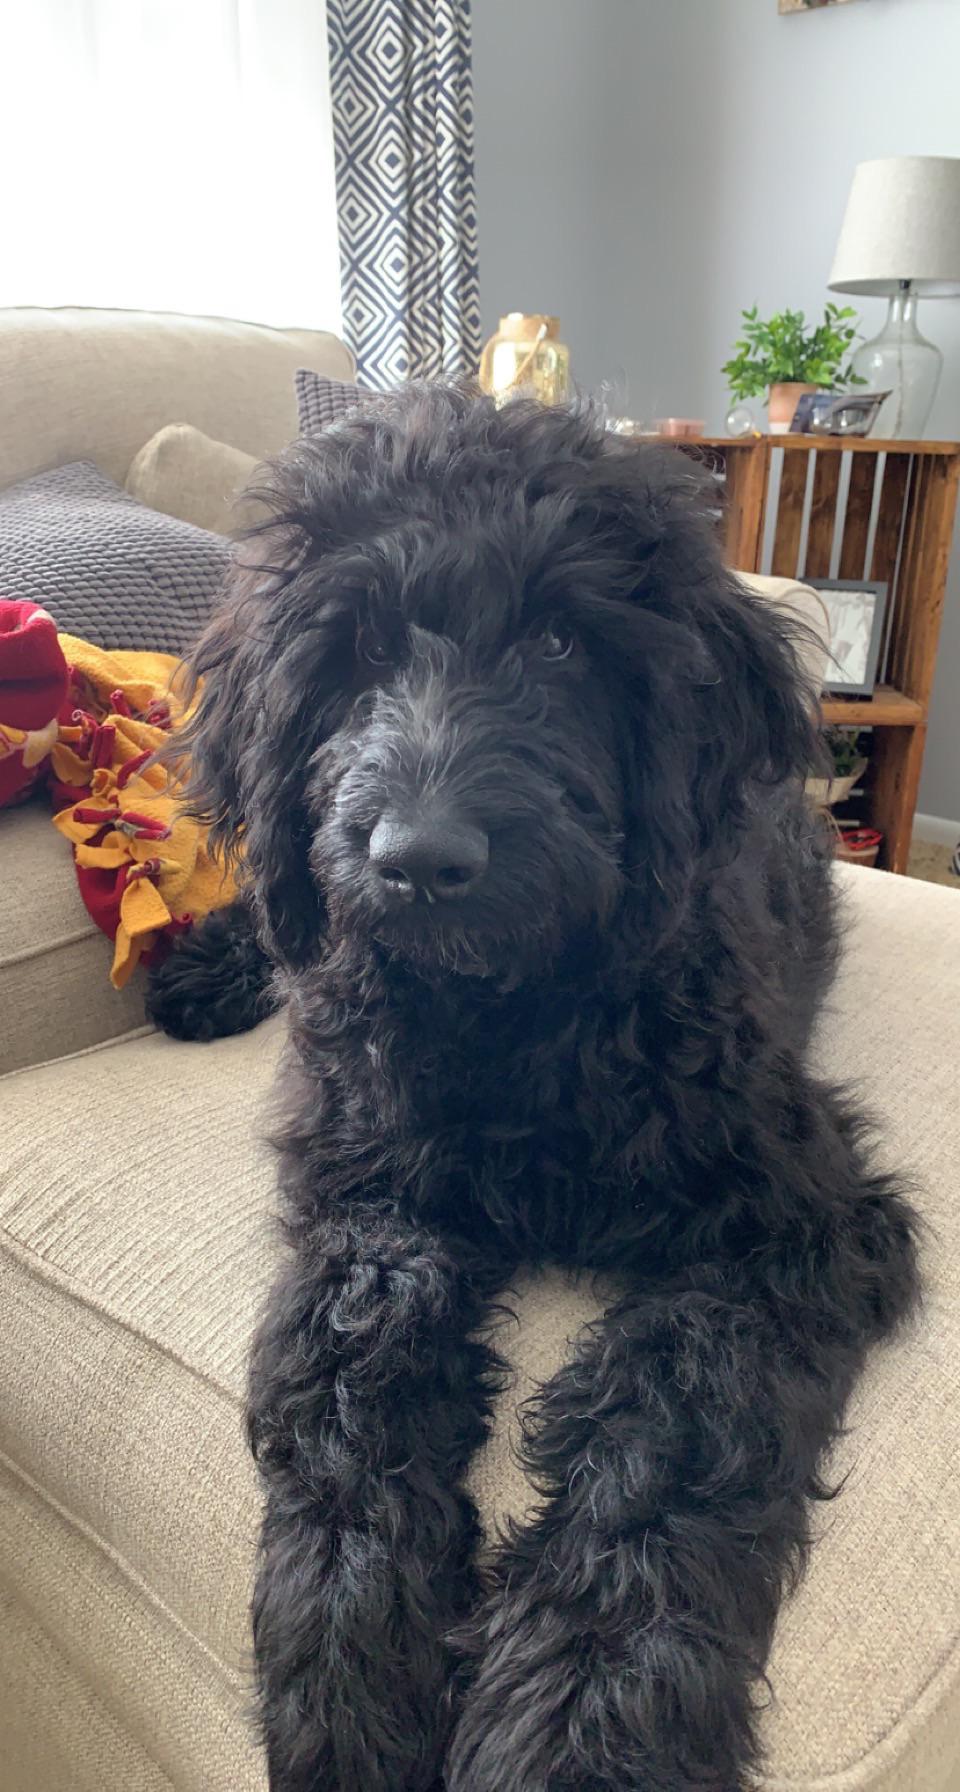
x=822 y=444
x=826 y=507
x=887 y=708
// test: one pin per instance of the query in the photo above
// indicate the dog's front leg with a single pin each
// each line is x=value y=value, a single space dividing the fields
x=368 y=1397
x=632 y=1620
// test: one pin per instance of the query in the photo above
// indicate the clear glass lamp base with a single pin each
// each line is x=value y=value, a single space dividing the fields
x=904 y=363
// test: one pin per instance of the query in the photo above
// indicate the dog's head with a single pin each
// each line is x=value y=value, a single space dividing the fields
x=481 y=681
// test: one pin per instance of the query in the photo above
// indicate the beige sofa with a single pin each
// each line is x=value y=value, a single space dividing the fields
x=135 y=1247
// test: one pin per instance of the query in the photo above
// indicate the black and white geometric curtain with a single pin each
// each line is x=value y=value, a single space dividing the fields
x=402 y=97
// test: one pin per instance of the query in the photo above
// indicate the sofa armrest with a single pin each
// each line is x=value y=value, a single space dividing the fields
x=55 y=991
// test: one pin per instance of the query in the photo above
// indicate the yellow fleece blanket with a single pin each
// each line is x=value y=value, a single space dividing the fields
x=143 y=866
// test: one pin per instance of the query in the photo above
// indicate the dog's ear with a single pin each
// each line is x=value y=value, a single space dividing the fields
x=757 y=711
x=718 y=724
x=245 y=753
x=753 y=709
x=721 y=713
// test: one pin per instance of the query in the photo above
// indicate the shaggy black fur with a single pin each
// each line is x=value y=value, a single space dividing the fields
x=595 y=1053
x=214 y=980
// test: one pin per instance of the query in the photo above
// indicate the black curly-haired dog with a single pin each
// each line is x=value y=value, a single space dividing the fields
x=518 y=770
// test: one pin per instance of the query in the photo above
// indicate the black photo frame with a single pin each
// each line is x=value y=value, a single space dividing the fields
x=854 y=647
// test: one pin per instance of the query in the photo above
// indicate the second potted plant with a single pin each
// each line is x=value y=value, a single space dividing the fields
x=849 y=765
x=784 y=358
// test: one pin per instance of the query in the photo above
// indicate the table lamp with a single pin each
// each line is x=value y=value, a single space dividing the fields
x=901 y=238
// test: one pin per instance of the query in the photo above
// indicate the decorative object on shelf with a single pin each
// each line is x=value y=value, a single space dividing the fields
x=526 y=356
x=858 y=846
x=786 y=359
x=856 y=609
x=849 y=765
x=740 y=421
x=837 y=413
x=900 y=239
x=612 y=396
x=680 y=429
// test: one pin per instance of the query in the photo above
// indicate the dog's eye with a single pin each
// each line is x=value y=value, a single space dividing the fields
x=556 y=644
x=373 y=648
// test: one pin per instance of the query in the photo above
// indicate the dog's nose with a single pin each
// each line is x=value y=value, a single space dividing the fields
x=440 y=857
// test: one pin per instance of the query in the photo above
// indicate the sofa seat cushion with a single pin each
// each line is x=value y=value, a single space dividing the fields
x=55 y=990
x=136 y=1245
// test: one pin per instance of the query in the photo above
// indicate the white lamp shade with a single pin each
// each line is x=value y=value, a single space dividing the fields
x=902 y=223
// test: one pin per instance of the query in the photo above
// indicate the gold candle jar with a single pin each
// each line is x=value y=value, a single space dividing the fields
x=526 y=357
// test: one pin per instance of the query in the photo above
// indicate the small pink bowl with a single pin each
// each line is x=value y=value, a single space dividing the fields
x=686 y=427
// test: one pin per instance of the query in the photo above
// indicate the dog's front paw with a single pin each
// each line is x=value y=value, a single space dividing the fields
x=559 y=1705
x=214 y=981
x=519 y=1725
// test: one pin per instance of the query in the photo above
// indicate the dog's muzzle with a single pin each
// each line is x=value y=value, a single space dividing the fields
x=428 y=855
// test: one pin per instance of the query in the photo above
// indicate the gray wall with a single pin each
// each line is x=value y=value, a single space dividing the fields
x=646 y=168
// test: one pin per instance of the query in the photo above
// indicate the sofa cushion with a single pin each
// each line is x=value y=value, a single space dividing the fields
x=135 y=1249
x=46 y=1756
x=95 y=385
x=183 y=473
x=107 y=568
x=320 y=401
x=55 y=989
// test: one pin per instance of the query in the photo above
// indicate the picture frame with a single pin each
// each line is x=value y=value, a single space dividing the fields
x=856 y=609
x=837 y=413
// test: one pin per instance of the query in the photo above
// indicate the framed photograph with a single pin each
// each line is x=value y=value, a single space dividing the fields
x=837 y=413
x=856 y=610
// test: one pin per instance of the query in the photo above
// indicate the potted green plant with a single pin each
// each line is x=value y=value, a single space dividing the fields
x=849 y=765
x=784 y=358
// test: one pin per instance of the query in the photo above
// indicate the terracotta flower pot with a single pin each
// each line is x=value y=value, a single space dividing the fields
x=783 y=402
x=858 y=846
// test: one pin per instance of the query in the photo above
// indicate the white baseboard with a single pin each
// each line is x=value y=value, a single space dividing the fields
x=936 y=830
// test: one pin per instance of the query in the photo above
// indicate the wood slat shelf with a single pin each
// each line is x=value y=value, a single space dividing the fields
x=826 y=444
x=884 y=514
x=887 y=708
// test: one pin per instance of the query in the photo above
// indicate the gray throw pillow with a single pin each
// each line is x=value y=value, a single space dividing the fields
x=321 y=402
x=108 y=569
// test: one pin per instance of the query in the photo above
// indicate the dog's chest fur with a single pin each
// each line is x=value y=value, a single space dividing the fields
x=540 y=1116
